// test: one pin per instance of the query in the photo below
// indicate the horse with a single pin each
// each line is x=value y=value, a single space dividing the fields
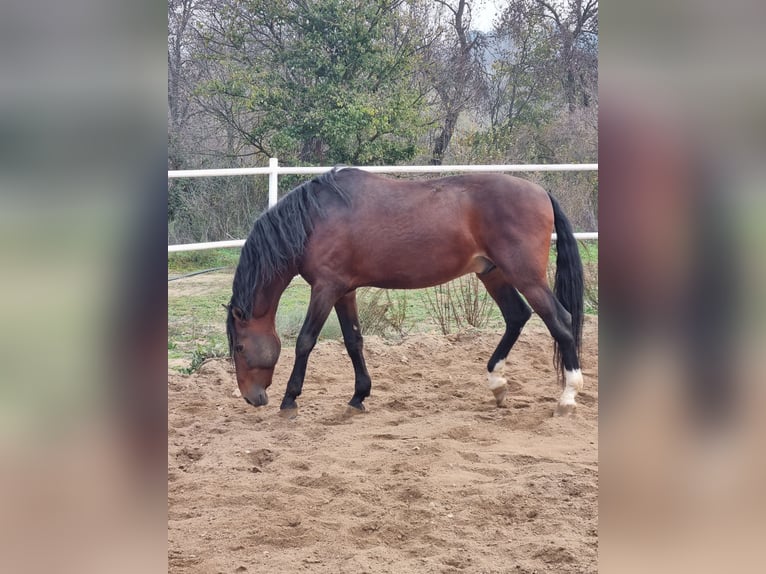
x=349 y=228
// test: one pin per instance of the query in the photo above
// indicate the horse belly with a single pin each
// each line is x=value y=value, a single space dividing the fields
x=413 y=261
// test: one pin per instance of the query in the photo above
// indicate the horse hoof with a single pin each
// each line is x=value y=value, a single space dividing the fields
x=565 y=410
x=353 y=411
x=288 y=414
x=500 y=393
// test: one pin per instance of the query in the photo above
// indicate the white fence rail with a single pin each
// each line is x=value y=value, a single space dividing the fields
x=274 y=171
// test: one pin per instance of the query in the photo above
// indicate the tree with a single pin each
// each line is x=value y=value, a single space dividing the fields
x=454 y=70
x=521 y=75
x=321 y=81
x=180 y=18
x=576 y=25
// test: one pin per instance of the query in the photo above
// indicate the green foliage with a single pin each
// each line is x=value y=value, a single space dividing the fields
x=202 y=354
x=323 y=81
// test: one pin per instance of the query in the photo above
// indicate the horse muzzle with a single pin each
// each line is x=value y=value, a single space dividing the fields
x=256 y=397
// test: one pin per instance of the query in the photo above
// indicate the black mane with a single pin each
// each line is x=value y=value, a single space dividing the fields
x=277 y=241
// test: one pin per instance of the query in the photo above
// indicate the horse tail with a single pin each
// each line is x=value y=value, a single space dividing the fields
x=569 y=284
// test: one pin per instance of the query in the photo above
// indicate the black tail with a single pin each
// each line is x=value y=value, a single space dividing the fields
x=568 y=285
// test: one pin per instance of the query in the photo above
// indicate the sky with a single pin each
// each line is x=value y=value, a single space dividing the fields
x=483 y=13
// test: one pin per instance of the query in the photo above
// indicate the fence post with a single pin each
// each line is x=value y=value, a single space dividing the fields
x=273 y=181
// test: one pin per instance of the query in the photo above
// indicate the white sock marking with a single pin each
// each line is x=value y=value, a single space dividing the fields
x=574 y=384
x=495 y=379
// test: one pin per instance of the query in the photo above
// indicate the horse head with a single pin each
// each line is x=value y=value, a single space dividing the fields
x=255 y=348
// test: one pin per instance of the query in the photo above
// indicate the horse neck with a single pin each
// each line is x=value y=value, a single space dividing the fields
x=266 y=298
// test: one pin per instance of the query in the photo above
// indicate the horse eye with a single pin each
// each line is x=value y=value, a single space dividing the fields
x=239 y=348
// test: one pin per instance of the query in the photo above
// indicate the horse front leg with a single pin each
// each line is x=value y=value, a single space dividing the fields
x=348 y=318
x=320 y=305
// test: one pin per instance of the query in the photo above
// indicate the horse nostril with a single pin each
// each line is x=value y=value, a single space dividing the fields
x=248 y=401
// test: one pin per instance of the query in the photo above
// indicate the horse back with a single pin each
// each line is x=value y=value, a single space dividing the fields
x=403 y=233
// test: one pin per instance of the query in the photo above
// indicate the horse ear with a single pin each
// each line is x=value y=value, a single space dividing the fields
x=237 y=312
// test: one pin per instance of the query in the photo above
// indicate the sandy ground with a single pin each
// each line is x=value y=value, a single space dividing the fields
x=432 y=478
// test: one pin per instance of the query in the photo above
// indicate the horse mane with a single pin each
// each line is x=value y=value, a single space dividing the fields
x=277 y=241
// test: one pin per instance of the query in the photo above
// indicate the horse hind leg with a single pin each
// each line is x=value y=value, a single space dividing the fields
x=516 y=313
x=559 y=323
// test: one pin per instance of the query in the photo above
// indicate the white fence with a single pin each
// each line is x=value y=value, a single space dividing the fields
x=274 y=171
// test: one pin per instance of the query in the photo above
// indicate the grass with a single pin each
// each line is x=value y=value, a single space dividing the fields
x=589 y=257
x=196 y=318
x=589 y=252
x=196 y=321
x=189 y=261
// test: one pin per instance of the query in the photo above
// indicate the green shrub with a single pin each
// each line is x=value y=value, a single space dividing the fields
x=202 y=354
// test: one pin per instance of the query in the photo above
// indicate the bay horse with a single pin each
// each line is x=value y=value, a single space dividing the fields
x=348 y=228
